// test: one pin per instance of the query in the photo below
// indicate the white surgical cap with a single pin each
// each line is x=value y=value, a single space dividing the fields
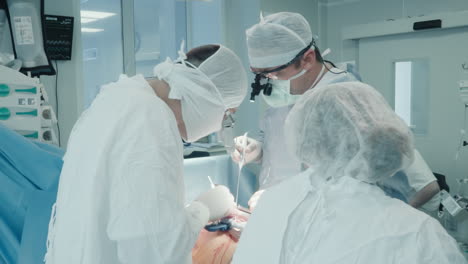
x=207 y=91
x=225 y=70
x=348 y=129
x=277 y=39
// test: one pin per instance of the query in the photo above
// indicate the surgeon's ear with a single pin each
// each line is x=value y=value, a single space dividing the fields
x=309 y=59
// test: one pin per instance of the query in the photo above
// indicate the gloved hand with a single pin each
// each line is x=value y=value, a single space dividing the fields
x=218 y=200
x=254 y=199
x=253 y=150
x=240 y=219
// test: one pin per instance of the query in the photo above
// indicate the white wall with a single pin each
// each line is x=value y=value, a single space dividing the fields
x=336 y=14
x=205 y=22
x=70 y=76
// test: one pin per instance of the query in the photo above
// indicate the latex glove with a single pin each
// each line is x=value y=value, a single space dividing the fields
x=254 y=199
x=218 y=200
x=253 y=150
x=240 y=219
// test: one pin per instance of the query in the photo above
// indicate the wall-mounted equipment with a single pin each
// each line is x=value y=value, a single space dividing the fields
x=59 y=37
x=23 y=106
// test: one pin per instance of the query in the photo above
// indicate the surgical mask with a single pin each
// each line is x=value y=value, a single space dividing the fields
x=281 y=92
x=202 y=105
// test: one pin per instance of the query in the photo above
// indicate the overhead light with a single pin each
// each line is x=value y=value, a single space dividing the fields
x=95 y=14
x=92 y=30
x=85 y=20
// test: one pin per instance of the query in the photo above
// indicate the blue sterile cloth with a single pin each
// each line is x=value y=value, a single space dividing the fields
x=29 y=173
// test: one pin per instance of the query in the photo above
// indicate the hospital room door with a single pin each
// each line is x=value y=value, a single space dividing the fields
x=418 y=74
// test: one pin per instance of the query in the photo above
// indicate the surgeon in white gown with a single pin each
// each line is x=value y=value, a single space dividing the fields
x=282 y=48
x=121 y=191
x=349 y=138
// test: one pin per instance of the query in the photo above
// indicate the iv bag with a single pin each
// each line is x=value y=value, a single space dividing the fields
x=26 y=20
x=6 y=46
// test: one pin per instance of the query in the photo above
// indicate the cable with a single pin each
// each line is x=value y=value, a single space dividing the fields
x=56 y=101
x=324 y=62
x=334 y=66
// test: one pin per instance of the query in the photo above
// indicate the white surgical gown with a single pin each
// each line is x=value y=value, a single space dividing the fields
x=346 y=221
x=121 y=191
x=277 y=163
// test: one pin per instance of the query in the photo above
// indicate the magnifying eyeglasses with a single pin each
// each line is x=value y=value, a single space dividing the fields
x=261 y=77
